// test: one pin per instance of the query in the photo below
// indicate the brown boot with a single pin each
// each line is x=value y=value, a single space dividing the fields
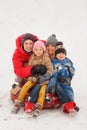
x=37 y=110
x=17 y=106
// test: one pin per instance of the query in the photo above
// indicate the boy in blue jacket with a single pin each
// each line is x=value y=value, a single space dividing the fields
x=61 y=81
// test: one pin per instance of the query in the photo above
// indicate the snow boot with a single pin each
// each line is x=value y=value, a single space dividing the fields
x=38 y=109
x=70 y=108
x=29 y=107
x=77 y=108
x=36 y=112
x=17 y=106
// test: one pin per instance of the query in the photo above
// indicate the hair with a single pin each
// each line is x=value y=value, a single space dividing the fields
x=60 y=50
x=28 y=36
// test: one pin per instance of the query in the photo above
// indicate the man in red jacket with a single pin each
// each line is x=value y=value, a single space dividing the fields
x=24 y=44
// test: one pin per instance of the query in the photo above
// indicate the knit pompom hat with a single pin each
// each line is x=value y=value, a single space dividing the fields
x=28 y=36
x=59 y=45
x=60 y=50
x=52 y=40
x=39 y=44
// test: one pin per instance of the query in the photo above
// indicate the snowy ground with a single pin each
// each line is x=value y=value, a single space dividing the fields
x=68 y=20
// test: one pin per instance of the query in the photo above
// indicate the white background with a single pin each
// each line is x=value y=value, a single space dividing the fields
x=68 y=20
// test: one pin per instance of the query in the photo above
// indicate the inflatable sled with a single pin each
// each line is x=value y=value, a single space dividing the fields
x=53 y=103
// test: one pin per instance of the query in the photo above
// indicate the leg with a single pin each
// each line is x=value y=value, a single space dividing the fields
x=34 y=93
x=39 y=104
x=20 y=81
x=51 y=86
x=22 y=95
x=62 y=96
x=50 y=89
x=24 y=90
x=69 y=91
x=42 y=94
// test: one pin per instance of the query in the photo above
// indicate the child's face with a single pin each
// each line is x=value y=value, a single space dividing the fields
x=60 y=56
x=28 y=45
x=51 y=49
x=38 y=51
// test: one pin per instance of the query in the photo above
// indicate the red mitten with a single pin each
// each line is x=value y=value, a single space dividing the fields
x=69 y=106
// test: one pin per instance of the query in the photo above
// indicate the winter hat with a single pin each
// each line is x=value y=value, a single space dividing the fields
x=60 y=50
x=28 y=36
x=39 y=44
x=52 y=40
x=59 y=45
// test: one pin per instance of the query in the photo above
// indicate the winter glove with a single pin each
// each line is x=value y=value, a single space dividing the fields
x=67 y=66
x=44 y=78
x=64 y=80
x=63 y=73
x=70 y=69
x=35 y=70
x=38 y=70
x=57 y=67
x=43 y=69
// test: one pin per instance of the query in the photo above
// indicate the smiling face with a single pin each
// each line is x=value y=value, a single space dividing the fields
x=61 y=56
x=38 y=51
x=51 y=50
x=28 y=45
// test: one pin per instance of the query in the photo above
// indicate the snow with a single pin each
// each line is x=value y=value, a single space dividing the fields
x=68 y=20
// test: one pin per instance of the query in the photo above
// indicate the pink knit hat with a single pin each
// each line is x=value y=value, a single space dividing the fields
x=39 y=44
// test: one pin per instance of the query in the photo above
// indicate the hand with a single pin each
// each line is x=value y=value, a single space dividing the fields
x=38 y=70
x=70 y=69
x=44 y=78
x=35 y=70
x=67 y=66
x=58 y=67
x=43 y=69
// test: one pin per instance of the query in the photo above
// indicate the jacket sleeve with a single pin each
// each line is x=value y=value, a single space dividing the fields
x=20 y=69
x=19 y=60
x=48 y=64
x=70 y=68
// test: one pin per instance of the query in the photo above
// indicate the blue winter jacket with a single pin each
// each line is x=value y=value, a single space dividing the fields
x=63 y=68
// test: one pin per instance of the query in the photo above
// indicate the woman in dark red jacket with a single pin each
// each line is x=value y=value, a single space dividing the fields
x=24 y=44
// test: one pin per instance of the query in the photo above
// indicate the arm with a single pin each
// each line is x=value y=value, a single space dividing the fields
x=48 y=64
x=20 y=69
x=69 y=66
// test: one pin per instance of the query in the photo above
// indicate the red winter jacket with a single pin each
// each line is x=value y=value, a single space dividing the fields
x=19 y=59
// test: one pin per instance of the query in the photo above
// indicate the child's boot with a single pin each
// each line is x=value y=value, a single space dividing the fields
x=37 y=110
x=17 y=106
x=29 y=108
x=70 y=108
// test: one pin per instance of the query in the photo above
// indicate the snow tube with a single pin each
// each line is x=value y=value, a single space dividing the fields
x=53 y=103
